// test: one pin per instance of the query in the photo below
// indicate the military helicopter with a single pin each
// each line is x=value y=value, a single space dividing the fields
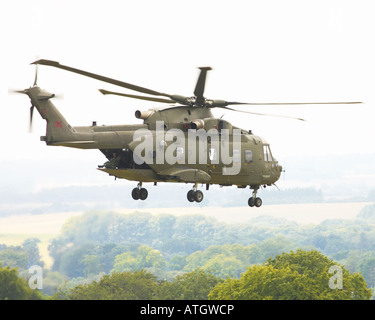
x=164 y=147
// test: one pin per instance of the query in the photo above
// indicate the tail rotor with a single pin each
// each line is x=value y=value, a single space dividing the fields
x=43 y=95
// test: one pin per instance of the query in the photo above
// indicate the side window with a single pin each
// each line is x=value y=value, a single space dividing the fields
x=248 y=156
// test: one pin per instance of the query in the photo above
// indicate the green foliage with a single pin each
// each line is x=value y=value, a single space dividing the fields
x=137 y=285
x=51 y=281
x=145 y=257
x=300 y=275
x=12 y=287
x=98 y=242
x=14 y=256
x=23 y=256
x=30 y=246
x=194 y=285
x=142 y=285
x=224 y=260
x=99 y=247
x=367 y=268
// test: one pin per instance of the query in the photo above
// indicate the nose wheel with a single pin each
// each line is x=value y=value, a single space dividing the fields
x=139 y=193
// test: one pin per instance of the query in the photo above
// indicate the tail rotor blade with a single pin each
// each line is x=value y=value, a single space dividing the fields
x=16 y=91
x=36 y=75
x=31 y=117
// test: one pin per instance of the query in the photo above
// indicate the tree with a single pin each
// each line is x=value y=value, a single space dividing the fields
x=92 y=264
x=145 y=257
x=72 y=261
x=194 y=285
x=31 y=247
x=137 y=285
x=12 y=287
x=367 y=268
x=14 y=257
x=224 y=260
x=300 y=275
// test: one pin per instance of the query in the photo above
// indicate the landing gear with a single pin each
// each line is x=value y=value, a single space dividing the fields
x=257 y=202
x=139 y=193
x=195 y=195
x=254 y=200
x=190 y=195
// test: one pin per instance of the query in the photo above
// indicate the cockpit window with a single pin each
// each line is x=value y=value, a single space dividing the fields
x=267 y=153
x=248 y=156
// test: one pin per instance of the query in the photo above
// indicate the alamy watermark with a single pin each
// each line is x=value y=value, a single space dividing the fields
x=172 y=146
x=36 y=278
x=336 y=281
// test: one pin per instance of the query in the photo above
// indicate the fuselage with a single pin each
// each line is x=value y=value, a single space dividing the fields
x=185 y=138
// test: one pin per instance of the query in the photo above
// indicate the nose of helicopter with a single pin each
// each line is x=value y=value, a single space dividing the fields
x=277 y=172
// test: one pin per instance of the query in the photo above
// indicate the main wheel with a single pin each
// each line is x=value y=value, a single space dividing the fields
x=251 y=202
x=258 y=202
x=135 y=194
x=190 y=195
x=143 y=193
x=198 y=196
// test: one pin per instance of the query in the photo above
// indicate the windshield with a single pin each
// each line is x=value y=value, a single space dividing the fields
x=267 y=153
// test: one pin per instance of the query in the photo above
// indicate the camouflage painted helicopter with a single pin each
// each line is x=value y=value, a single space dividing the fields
x=164 y=147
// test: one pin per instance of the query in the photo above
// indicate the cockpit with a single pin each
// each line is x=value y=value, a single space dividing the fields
x=267 y=155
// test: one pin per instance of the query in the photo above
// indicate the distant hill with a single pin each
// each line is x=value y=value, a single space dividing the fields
x=34 y=187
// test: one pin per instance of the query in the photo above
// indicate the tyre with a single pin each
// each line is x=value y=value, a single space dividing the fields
x=190 y=196
x=143 y=193
x=198 y=196
x=135 y=193
x=258 y=202
x=251 y=202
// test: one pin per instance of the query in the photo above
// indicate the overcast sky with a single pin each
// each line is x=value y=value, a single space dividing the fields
x=260 y=51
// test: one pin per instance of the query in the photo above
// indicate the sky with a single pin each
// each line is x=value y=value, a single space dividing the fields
x=260 y=51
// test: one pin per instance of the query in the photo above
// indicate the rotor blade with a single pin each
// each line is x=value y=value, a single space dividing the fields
x=136 y=96
x=99 y=77
x=263 y=114
x=31 y=117
x=286 y=103
x=223 y=103
x=16 y=91
x=36 y=75
x=199 y=87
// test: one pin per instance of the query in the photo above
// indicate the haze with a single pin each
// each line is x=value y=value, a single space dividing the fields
x=269 y=51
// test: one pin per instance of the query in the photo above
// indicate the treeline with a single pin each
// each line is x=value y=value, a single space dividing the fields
x=101 y=242
x=22 y=256
x=300 y=275
x=96 y=245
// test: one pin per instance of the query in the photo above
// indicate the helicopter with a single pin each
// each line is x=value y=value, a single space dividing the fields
x=182 y=143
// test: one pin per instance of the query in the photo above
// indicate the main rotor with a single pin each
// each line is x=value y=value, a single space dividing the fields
x=198 y=100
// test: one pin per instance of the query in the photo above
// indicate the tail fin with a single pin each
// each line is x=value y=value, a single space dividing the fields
x=58 y=129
